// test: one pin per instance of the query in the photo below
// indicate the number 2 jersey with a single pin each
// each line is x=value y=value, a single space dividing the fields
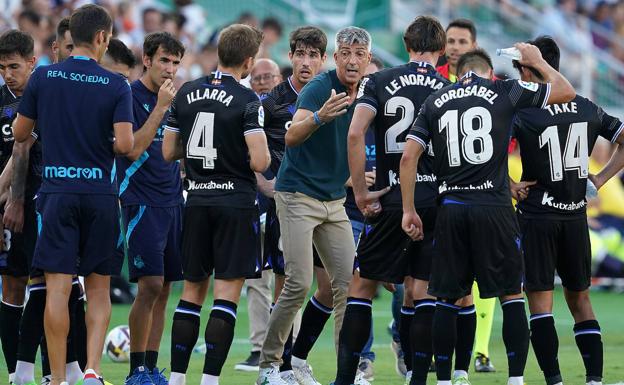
x=213 y=114
x=395 y=95
x=469 y=125
x=555 y=144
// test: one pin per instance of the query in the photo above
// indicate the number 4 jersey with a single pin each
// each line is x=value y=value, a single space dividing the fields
x=394 y=95
x=555 y=144
x=213 y=114
x=469 y=125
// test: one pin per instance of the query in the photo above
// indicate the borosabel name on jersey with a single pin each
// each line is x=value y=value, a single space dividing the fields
x=212 y=94
x=413 y=80
x=192 y=185
x=549 y=201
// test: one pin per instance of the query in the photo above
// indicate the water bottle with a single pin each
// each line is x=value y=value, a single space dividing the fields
x=510 y=53
x=590 y=191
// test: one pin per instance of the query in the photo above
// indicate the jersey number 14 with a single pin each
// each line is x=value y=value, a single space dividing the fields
x=575 y=155
x=201 y=141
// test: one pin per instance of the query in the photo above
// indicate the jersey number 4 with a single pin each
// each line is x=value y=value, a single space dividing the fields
x=471 y=135
x=575 y=155
x=200 y=144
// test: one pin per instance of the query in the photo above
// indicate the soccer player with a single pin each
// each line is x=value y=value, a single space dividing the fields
x=63 y=44
x=150 y=191
x=310 y=193
x=307 y=54
x=476 y=234
x=77 y=200
x=461 y=37
x=389 y=99
x=118 y=58
x=16 y=63
x=216 y=124
x=555 y=144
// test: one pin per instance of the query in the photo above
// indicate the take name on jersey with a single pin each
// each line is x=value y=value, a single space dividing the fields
x=394 y=95
x=468 y=125
x=555 y=144
x=213 y=114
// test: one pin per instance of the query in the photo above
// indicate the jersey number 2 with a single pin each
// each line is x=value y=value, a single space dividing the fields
x=200 y=144
x=392 y=134
x=575 y=155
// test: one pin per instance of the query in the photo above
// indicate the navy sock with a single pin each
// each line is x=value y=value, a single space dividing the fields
x=589 y=341
x=151 y=359
x=353 y=336
x=466 y=330
x=219 y=335
x=405 y=324
x=31 y=328
x=184 y=333
x=546 y=346
x=421 y=340
x=444 y=338
x=313 y=321
x=10 y=317
x=515 y=336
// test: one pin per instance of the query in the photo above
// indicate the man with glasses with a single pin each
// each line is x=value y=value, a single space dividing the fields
x=265 y=75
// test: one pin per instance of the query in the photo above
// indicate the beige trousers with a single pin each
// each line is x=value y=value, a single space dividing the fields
x=303 y=221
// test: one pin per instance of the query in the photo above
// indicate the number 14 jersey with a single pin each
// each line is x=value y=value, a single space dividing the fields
x=213 y=114
x=395 y=95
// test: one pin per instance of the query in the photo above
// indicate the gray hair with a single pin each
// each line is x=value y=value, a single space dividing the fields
x=353 y=35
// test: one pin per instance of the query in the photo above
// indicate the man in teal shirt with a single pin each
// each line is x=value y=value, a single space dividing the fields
x=310 y=193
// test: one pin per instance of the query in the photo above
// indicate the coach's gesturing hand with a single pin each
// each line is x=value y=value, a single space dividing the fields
x=335 y=106
x=166 y=93
x=412 y=225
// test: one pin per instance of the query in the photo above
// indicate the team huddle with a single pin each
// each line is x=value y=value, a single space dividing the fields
x=92 y=176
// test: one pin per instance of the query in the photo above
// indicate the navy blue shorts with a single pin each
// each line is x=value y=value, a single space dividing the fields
x=77 y=233
x=153 y=237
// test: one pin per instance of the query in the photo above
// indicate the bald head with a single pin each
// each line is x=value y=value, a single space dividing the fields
x=265 y=75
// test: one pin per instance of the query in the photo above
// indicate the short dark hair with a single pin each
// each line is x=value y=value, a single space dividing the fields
x=424 y=34
x=87 y=21
x=31 y=15
x=464 y=24
x=120 y=53
x=16 y=42
x=151 y=10
x=62 y=27
x=550 y=52
x=272 y=23
x=476 y=59
x=308 y=36
x=377 y=62
x=237 y=43
x=167 y=41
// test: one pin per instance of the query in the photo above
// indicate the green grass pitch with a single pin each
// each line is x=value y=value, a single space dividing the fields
x=609 y=308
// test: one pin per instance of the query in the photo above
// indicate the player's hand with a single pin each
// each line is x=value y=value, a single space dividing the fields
x=389 y=286
x=370 y=178
x=531 y=55
x=14 y=216
x=520 y=190
x=412 y=225
x=335 y=106
x=368 y=203
x=166 y=93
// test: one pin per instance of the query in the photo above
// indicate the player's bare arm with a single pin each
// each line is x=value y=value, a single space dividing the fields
x=561 y=90
x=362 y=118
x=172 y=146
x=145 y=135
x=259 y=156
x=5 y=181
x=411 y=223
x=124 y=140
x=305 y=122
x=14 y=210
x=613 y=166
x=265 y=186
x=22 y=128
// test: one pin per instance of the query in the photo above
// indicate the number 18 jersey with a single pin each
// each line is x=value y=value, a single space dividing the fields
x=469 y=125
x=395 y=95
x=555 y=144
x=213 y=114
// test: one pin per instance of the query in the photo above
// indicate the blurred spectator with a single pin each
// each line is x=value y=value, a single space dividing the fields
x=602 y=17
x=272 y=30
x=264 y=76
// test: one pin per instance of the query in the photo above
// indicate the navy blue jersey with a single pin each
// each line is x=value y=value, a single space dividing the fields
x=555 y=144
x=395 y=96
x=75 y=104
x=279 y=108
x=8 y=111
x=149 y=180
x=371 y=153
x=469 y=126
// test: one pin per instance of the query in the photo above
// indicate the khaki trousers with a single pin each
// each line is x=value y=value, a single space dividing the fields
x=303 y=221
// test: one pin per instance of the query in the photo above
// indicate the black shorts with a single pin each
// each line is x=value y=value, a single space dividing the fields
x=18 y=248
x=385 y=253
x=476 y=242
x=225 y=240
x=551 y=244
x=273 y=251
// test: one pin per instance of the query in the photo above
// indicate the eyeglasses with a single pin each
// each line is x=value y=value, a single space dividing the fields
x=263 y=77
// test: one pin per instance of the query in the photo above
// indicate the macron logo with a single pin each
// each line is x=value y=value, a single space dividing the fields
x=210 y=186
x=72 y=172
